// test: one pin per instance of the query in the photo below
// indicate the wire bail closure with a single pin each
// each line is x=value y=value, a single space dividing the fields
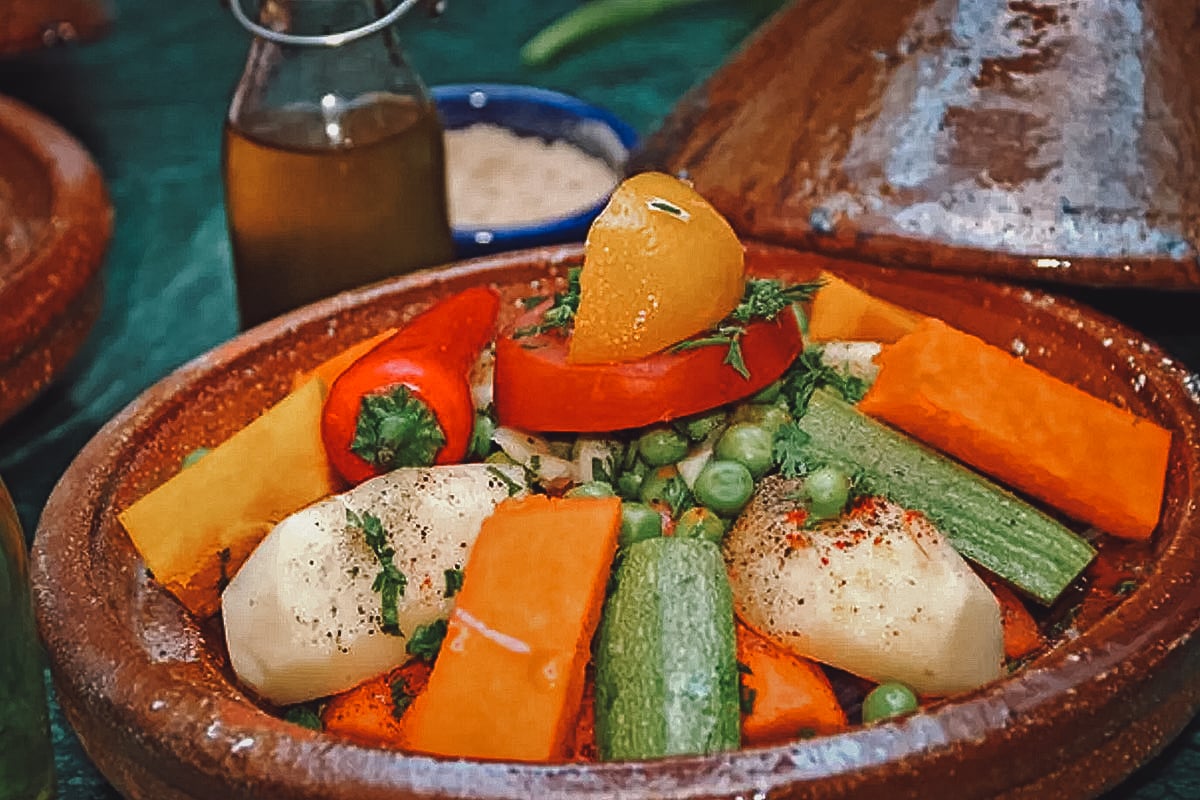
x=324 y=40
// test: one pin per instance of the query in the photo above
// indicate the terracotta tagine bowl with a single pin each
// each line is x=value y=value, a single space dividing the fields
x=55 y=225
x=1040 y=141
x=149 y=692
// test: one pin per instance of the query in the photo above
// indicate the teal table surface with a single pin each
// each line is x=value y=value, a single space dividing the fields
x=148 y=102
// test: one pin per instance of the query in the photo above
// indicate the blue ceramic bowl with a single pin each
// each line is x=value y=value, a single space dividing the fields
x=553 y=116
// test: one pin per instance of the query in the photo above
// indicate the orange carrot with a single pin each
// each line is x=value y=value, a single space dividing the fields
x=1096 y=462
x=509 y=679
x=1021 y=633
x=843 y=311
x=329 y=369
x=368 y=714
x=785 y=696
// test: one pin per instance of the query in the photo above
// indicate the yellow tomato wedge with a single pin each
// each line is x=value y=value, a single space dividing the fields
x=660 y=265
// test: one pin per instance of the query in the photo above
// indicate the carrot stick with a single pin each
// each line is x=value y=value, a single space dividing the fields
x=1094 y=461
x=368 y=713
x=784 y=696
x=329 y=369
x=1021 y=633
x=509 y=679
x=841 y=311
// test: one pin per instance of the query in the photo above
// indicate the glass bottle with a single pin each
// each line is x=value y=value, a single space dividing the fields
x=333 y=157
x=26 y=753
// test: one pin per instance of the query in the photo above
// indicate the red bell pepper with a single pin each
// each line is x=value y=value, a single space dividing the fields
x=407 y=402
x=536 y=389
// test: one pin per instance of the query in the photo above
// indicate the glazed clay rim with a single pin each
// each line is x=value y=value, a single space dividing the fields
x=1127 y=682
x=54 y=293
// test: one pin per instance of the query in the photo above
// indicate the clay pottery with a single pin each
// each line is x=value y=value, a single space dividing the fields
x=1044 y=141
x=149 y=692
x=55 y=225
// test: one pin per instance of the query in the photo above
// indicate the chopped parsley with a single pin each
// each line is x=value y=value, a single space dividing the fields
x=390 y=582
x=426 y=640
x=764 y=299
x=809 y=373
x=561 y=314
x=304 y=715
x=658 y=204
x=789 y=450
x=401 y=697
x=746 y=695
x=454 y=582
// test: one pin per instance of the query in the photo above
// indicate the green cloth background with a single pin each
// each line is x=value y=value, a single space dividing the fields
x=148 y=101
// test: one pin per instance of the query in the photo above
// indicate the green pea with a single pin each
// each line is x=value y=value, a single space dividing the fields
x=768 y=394
x=629 y=482
x=655 y=483
x=194 y=456
x=724 y=486
x=750 y=445
x=481 y=436
x=699 y=426
x=638 y=521
x=828 y=490
x=699 y=522
x=888 y=700
x=770 y=417
x=591 y=489
x=661 y=446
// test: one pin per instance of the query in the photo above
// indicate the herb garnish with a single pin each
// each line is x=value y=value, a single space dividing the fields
x=658 y=204
x=561 y=313
x=788 y=450
x=426 y=640
x=305 y=716
x=763 y=299
x=746 y=695
x=809 y=373
x=454 y=582
x=401 y=697
x=390 y=581
x=512 y=486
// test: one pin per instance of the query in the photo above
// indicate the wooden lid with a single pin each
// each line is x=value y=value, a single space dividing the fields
x=1014 y=139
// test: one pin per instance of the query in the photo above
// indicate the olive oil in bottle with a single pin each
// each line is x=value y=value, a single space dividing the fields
x=318 y=201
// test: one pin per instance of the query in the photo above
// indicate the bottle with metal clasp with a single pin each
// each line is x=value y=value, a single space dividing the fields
x=333 y=159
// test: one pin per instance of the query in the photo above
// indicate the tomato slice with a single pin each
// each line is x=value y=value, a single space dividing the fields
x=535 y=389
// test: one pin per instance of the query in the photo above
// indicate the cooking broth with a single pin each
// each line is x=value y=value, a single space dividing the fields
x=319 y=202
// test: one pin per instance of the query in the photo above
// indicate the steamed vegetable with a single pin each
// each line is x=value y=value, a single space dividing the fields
x=329 y=370
x=509 y=680
x=666 y=671
x=655 y=241
x=1042 y=436
x=783 y=695
x=843 y=311
x=536 y=389
x=880 y=592
x=408 y=401
x=987 y=524
x=195 y=530
x=306 y=615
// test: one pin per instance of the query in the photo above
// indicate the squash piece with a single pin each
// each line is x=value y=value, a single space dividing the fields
x=843 y=311
x=195 y=530
x=660 y=264
x=329 y=369
x=784 y=696
x=508 y=682
x=1088 y=458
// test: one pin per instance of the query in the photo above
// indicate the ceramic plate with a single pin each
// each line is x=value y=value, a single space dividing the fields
x=151 y=696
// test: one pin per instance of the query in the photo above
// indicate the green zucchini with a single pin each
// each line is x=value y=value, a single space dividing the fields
x=984 y=522
x=666 y=660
